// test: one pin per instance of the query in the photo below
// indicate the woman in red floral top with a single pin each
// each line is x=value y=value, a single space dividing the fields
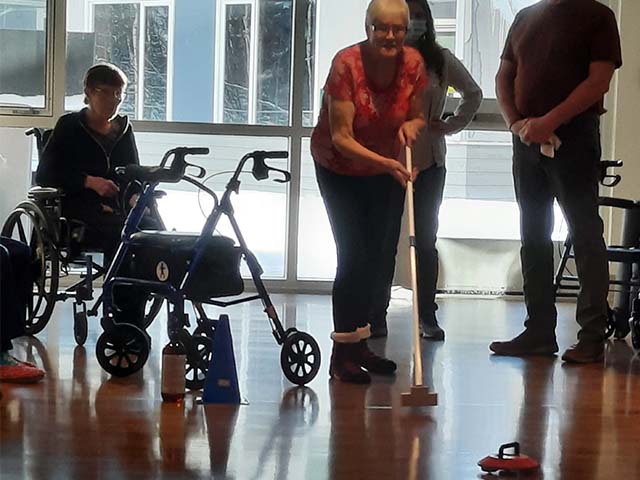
x=372 y=107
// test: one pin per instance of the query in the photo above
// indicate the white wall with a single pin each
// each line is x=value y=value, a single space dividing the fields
x=15 y=168
x=621 y=139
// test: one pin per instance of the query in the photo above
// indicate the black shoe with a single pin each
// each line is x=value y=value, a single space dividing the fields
x=373 y=363
x=584 y=352
x=430 y=329
x=526 y=344
x=344 y=366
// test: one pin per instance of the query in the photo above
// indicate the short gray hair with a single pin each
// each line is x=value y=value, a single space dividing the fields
x=377 y=5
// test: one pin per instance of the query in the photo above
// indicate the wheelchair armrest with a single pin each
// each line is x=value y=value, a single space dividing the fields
x=44 y=193
x=618 y=203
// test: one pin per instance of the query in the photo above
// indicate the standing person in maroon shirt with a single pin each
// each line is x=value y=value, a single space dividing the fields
x=556 y=67
x=372 y=106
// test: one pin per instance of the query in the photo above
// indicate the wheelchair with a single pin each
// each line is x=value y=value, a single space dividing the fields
x=621 y=318
x=199 y=268
x=57 y=250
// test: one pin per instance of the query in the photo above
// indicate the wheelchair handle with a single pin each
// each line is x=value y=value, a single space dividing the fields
x=37 y=132
x=261 y=170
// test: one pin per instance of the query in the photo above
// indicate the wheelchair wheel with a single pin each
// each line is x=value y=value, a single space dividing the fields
x=80 y=327
x=28 y=225
x=199 y=355
x=122 y=350
x=300 y=358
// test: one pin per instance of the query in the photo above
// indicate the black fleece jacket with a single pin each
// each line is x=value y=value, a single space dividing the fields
x=73 y=152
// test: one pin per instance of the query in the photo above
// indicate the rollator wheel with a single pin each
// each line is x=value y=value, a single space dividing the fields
x=199 y=354
x=27 y=225
x=300 y=358
x=80 y=327
x=122 y=350
x=207 y=327
x=151 y=310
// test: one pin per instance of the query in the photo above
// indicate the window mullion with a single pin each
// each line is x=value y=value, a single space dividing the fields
x=297 y=133
x=142 y=34
x=253 y=62
x=55 y=57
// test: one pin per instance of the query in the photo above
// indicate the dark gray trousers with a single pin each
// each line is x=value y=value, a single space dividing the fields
x=571 y=178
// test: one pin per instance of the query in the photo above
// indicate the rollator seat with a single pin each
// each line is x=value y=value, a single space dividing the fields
x=167 y=239
x=166 y=257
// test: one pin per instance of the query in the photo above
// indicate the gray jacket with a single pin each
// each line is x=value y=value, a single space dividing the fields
x=431 y=148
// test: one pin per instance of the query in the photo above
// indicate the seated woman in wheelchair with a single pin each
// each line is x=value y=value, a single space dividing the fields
x=81 y=156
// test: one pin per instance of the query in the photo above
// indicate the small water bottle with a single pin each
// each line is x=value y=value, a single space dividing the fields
x=174 y=359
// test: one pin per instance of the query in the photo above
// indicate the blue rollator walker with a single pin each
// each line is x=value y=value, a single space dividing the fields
x=193 y=267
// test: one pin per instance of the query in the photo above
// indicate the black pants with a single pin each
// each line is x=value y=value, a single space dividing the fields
x=428 y=191
x=572 y=178
x=365 y=215
x=15 y=289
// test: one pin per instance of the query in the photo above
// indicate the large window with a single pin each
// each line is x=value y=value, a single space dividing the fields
x=23 y=46
x=238 y=75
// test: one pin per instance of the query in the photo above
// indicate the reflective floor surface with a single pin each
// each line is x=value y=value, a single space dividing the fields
x=580 y=422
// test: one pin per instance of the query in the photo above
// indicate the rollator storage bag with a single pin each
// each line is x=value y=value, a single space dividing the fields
x=166 y=256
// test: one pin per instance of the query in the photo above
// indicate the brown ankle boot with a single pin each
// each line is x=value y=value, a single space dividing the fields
x=373 y=363
x=343 y=366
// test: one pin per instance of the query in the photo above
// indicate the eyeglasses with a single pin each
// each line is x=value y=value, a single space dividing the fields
x=118 y=94
x=383 y=30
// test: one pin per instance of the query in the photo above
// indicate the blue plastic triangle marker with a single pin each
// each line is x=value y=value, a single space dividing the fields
x=221 y=384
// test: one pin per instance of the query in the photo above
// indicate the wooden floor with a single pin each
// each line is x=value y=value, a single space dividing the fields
x=581 y=422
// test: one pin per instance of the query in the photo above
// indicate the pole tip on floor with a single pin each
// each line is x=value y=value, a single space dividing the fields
x=419 y=397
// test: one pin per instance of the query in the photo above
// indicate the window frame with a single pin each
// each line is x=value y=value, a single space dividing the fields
x=220 y=56
x=49 y=28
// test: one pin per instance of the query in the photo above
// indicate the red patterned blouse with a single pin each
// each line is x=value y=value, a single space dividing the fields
x=378 y=113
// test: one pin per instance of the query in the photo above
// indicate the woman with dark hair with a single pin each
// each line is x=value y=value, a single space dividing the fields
x=372 y=106
x=429 y=152
x=81 y=156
